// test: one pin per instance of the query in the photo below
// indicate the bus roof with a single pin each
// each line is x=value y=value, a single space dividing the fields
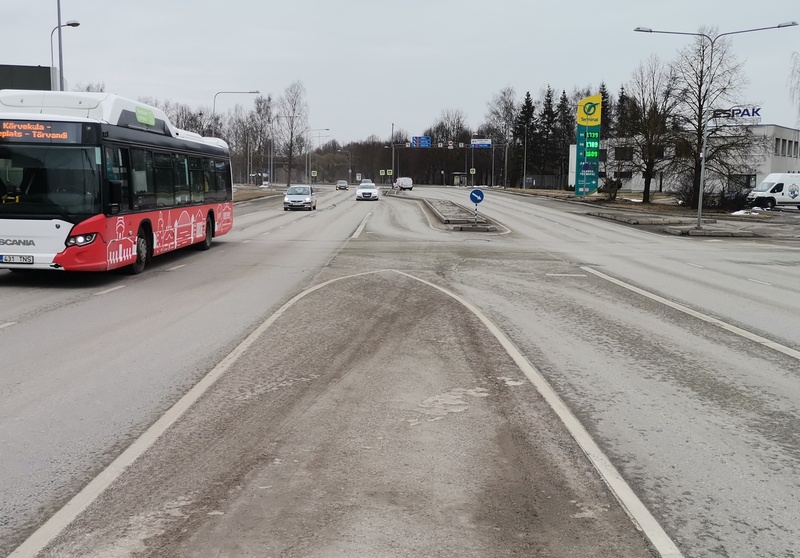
x=102 y=107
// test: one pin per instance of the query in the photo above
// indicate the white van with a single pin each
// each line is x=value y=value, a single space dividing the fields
x=404 y=183
x=777 y=189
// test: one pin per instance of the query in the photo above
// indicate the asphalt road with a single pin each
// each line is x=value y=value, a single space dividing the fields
x=379 y=415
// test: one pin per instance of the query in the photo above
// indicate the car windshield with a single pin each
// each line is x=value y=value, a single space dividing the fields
x=342 y=182
x=44 y=180
x=297 y=191
x=764 y=186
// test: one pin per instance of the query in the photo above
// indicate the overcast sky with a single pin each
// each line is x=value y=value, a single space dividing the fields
x=366 y=64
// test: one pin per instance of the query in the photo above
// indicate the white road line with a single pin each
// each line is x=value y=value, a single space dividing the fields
x=7 y=324
x=111 y=290
x=695 y=265
x=760 y=282
x=566 y=275
x=361 y=227
x=176 y=267
x=624 y=493
x=700 y=316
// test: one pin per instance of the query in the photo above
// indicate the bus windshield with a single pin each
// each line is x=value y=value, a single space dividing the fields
x=49 y=180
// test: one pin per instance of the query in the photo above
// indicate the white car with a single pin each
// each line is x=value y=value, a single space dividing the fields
x=367 y=190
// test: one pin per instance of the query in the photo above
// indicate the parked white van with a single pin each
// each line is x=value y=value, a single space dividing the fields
x=777 y=189
x=404 y=183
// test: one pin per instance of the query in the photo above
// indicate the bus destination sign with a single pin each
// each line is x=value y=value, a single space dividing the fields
x=39 y=132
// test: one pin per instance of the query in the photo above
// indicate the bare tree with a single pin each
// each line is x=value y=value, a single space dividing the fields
x=500 y=118
x=91 y=87
x=646 y=128
x=708 y=76
x=452 y=125
x=262 y=137
x=292 y=125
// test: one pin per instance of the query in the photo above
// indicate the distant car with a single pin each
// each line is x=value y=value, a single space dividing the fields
x=300 y=197
x=367 y=190
x=342 y=185
x=404 y=183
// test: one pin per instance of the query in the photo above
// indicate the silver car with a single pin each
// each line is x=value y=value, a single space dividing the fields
x=300 y=197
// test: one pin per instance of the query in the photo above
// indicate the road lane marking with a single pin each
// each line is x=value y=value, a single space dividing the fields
x=760 y=282
x=700 y=316
x=111 y=290
x=566 y=274
x=7 y=324
x=361 y=227
x=636 y=510
x=176 y=267
x=695 y=265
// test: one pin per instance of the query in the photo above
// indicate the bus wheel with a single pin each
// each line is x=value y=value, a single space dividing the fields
x=142 y=253
x=206 y=243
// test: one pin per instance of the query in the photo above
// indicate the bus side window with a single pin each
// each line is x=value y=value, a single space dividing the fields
x=196 y=179
x=182 y=194
x=117 y=168
x=144 y=192
x=210 y=185
x=164 y=179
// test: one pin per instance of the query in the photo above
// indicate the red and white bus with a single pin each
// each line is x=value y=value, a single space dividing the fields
x=94 y=182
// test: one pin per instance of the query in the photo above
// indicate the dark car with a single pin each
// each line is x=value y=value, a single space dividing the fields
x=342 y=185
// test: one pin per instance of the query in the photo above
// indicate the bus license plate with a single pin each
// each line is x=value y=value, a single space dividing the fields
x=16 y=259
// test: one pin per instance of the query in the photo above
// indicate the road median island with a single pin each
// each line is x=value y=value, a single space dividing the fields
x=433 y=444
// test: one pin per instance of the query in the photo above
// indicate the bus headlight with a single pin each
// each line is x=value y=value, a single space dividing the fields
x=81 y=239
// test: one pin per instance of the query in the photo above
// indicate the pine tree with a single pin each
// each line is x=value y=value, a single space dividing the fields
x=565 y=133
x=546 y=140
x=524 y=137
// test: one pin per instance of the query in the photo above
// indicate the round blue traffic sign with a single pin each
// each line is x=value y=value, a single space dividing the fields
x=476 y=196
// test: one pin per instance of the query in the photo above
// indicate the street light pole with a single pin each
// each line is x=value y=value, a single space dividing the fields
x=391 y=179
x=214 y=105
x=70 y=23
x=706 y=111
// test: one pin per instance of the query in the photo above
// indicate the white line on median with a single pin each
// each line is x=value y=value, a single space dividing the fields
x=624 y=493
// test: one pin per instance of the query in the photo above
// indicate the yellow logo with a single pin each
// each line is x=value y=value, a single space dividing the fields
x=590 y=110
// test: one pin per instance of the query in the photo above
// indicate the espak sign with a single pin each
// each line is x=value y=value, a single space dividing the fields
x=737 y=112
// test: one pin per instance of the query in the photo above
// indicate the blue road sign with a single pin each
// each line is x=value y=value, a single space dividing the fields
x=476 y=196
x=421 y=141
